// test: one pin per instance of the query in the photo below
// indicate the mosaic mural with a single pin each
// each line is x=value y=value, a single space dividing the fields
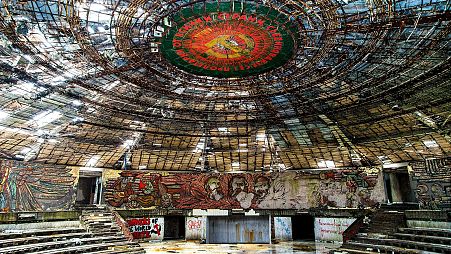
x=433 y=179
x=228 y=43
x=135 y=189
x=36 y=187
x=291 y=190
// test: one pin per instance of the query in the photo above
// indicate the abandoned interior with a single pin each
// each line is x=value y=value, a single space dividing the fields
x=225 y=126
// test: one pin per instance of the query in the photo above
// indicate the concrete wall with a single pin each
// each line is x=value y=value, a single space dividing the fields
x=290 y=190
x=148 y=228
x=331 y=229
x=195 y=228
x=283 y=228
x=36 y=187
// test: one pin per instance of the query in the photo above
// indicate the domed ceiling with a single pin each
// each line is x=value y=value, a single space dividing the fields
x=225 y=85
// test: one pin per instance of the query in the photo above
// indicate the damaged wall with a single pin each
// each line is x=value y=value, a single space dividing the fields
x=288 y=190
x=283 y=228
x=36 y=187
x=433 y=183
x=195 y=228
x=331 y=229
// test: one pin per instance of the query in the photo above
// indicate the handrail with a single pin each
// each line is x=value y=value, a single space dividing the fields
x=353 y=229
x=122 y=224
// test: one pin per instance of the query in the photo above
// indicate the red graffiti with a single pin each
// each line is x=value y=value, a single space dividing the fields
x=157 y=229
x=194 y=224
x=144 y=227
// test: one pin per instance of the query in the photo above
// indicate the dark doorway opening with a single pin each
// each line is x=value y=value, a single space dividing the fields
x=303 y=227
x=87 y=191
x=398 y=187
x=174 y=227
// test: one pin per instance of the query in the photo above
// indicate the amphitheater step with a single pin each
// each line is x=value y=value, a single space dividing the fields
x=59 y=244
x=46 y=238
x=424 y=238
x=352 y=251
x=440 y=248
x=41 y=232
x=380 y=248
x=427 y=231
x=83 y=248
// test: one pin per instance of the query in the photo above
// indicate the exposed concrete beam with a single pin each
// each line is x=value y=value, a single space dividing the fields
x=344 y=141
x=422 y=117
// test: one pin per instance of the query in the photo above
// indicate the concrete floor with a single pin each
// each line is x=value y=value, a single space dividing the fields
x=280 y=248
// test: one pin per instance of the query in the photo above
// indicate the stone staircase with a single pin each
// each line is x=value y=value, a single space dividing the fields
x=387 y=233
x=385 y=222
x=101 y=221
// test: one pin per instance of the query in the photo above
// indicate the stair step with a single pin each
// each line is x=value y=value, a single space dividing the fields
x=82 y=248
x=427 y=231
x=441 y=248
x=57 y=244
x=424 y=238
x=46 y=238
x=381 y=248
x=41 y=232
x=352 y=251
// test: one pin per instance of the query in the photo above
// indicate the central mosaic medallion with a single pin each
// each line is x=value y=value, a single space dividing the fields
x=229 y=44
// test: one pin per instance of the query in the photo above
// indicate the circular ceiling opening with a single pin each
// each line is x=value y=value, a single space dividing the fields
x=226 y=41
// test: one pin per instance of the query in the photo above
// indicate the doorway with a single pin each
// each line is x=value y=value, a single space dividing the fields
x=88 y=191
x=398 y=186
x=174 y=227
x=303 y=227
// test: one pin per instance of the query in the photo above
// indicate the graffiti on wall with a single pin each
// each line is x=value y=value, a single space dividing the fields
x=290 y=190
x=433 y=177
x=283 y=228
x=331 y=229
x=146 y=228
x=36 y=187
x=195 y=228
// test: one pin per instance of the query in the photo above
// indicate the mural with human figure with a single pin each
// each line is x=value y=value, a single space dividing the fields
x=135 y=189
x=36 y=187
x=362 y=187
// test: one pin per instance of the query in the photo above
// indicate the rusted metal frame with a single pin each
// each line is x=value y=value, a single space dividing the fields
x=128 y=112
x=402 y=112
x=376 y=98
x=170 y=145
x=397 y=89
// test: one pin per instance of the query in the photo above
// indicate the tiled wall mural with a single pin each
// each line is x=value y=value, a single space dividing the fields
x=433 y=178
x=288 y=190
x=36 y=187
